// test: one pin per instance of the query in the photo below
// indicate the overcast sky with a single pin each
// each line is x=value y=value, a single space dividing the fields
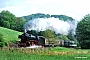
x=73 y=8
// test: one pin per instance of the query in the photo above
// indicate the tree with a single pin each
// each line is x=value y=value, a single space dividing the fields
x=83 y=32
x=20 y=21
x=64 y=37
x=37 y=15
x=10 y=21
x=40 y=33
x=70 y=35
x=63 y=17
x=7 y=20
x=49 y=35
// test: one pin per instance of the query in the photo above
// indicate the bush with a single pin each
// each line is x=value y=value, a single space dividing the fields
x=2 y=43
x=1 y=37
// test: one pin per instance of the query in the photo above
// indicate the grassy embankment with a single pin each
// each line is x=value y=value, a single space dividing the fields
x=9 y=35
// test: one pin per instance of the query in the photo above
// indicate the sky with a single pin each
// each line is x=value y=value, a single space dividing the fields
x=76 y=9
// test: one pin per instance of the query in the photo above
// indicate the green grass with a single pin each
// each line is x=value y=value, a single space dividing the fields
x=23 y=56
x=56 y=53
x=27 y=54
x=60 y=49
x=9 y=35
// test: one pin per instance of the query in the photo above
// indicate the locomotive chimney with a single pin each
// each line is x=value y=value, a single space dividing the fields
x=24 y=30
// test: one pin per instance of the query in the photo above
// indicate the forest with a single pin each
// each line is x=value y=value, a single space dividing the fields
x=82 y=36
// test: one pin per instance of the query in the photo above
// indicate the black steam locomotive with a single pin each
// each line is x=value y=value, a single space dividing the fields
x=31 y=40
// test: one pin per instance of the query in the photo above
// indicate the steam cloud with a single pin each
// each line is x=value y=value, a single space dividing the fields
x=54 y=24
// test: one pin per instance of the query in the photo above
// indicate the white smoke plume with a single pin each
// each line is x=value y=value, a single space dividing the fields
x=59 y=26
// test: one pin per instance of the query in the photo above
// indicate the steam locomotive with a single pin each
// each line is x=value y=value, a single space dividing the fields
x=31 y=40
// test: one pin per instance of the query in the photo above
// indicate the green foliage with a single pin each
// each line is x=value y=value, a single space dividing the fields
x=70 y=35
x=62 y=17
x=2 y=44
x=41 y=15
x=10 y=21
x=63 y=37
x=6 y=24
x=20 y=21
x=1 y=37
x=2 y=41
x=83 y=32
x=7 y=19
x=48 y=34
x=37 y=15
x=41 y=33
